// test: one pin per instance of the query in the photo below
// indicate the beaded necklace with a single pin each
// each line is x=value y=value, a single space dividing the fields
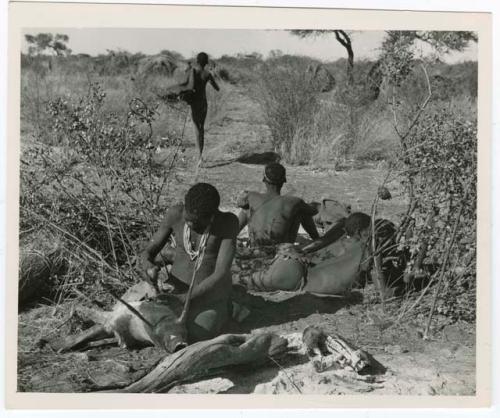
x=188 y=245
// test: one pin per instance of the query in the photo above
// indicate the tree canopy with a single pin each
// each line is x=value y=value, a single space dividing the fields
x=43 y=42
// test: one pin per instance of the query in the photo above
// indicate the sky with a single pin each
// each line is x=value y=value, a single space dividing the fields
x=217 y=42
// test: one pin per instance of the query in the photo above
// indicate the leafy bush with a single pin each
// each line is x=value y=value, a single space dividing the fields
x=103 y=188
x=441 y=175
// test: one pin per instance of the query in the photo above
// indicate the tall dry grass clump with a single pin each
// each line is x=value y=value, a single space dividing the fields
x=334 y=135
x=312 y=127
x=288 y=97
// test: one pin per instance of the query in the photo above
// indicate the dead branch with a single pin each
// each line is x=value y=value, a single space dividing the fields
x=204 y=358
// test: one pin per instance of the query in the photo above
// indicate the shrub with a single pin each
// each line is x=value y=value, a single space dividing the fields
x=440 y=161
x=101 y=190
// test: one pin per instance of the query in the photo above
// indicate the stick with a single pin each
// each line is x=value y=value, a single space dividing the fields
x=183 y=316
x=285 y=373
x=129 y=307
x=377 y=258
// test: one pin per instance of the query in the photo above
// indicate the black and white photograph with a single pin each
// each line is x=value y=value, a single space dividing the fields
x=262 y=211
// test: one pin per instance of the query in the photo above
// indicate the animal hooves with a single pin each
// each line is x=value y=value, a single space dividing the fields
x=180 y=347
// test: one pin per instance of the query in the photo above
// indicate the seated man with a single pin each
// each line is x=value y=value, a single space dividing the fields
x=201 y=231
x=272 y=218
x=292 y=269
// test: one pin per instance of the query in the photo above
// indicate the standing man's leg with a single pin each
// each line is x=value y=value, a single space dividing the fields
x=199 y=114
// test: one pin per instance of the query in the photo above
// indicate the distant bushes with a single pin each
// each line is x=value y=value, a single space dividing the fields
x=309 y=124
x=352 y=122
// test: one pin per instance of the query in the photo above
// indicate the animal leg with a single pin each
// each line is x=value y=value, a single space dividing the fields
x=95 y=332
x=121 y=330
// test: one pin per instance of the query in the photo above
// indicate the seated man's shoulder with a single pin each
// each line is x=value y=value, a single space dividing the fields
x=245 y=198
x=299 y=204
x=292 y=200
x=256 y=196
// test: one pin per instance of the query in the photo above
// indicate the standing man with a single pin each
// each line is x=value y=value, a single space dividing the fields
x=201 y=230
x=197 y=81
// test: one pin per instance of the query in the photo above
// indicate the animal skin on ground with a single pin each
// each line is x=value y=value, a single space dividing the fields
x=159 y=325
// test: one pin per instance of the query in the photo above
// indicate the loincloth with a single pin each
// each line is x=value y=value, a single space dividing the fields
x=253 y=258
x=253 y=266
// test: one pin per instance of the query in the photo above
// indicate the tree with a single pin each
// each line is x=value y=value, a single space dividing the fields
x=398 y=49
x=43 y=42
x=342 y=37
x=442 y=42
x=177 y=56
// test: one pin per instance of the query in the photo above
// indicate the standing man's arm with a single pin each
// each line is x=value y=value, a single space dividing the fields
x=224 y=261
x=213 y=83
x=190 y=81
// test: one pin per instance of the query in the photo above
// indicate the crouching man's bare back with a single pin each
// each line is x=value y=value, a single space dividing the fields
x=200 y=228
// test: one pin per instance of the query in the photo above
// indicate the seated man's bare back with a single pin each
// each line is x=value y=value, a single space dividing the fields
x=272 y=218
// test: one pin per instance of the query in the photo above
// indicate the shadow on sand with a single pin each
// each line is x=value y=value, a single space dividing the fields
x=280 y=307
x=255 y=158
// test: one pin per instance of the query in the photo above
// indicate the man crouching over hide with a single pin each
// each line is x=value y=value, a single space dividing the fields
x=206 y=243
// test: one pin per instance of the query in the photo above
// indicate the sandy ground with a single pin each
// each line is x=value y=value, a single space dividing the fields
x=408 y=364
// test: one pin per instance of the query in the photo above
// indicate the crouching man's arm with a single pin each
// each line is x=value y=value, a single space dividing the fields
x=147 y=267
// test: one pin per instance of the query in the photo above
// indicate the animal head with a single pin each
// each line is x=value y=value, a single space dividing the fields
x=172 y=336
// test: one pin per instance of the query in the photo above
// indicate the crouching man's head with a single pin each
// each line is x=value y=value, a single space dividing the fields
x=201 y=203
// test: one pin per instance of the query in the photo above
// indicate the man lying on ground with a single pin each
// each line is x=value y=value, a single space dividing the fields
x=293 y=270
x=201 y=230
